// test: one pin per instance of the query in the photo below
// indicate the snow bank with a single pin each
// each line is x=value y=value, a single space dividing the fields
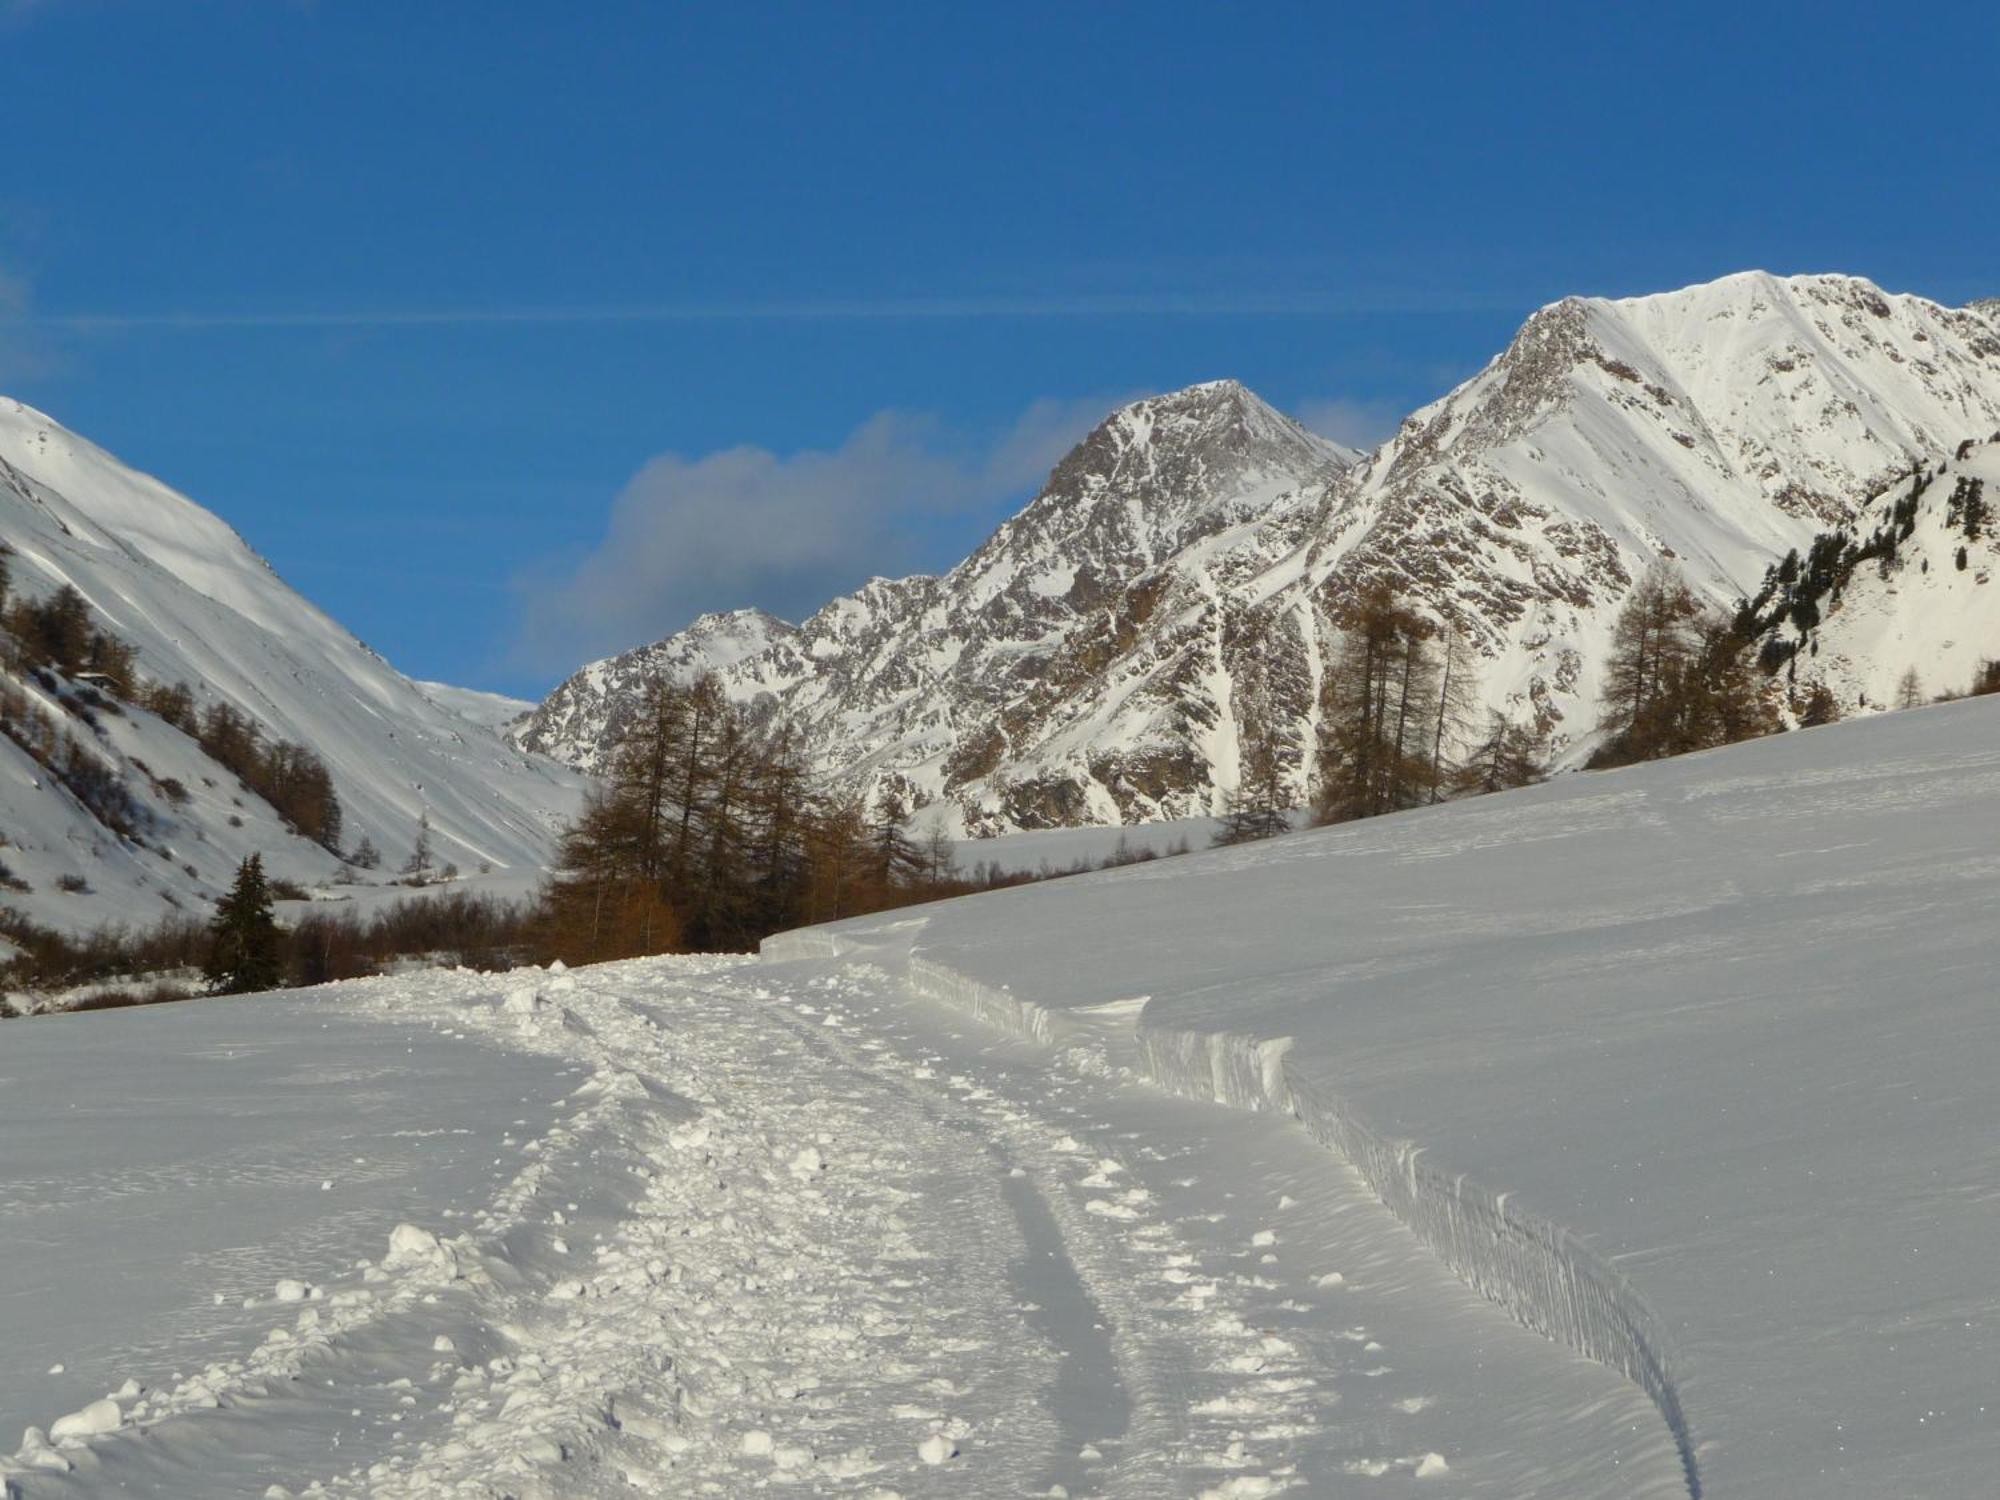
x=1684 y=1065
x=1537 y=1270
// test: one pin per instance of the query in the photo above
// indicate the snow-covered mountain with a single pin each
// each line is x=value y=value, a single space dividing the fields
x=174 y=582
x=1907 y=588
x=494 y=710
x=1187 y=567
x=1066 y=671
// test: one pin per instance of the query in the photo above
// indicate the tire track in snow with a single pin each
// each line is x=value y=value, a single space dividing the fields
x=1217 y=1400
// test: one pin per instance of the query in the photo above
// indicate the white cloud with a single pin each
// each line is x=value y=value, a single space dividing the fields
x=1359 y=424
x=745 y=526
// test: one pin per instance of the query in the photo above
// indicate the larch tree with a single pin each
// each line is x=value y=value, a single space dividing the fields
x=422 y=860
x=898 y=864
x=1507 y=755
x=1680 y=677
x=1457 y=697
x=939 y=856
x=1378 y=712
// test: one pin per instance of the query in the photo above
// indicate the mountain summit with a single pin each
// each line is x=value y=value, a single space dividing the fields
x=1187 y=566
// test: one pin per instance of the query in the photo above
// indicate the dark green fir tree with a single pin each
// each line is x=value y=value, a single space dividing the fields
x=243 y=954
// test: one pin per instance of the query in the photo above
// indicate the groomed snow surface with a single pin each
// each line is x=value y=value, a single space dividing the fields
x=1688 y=1067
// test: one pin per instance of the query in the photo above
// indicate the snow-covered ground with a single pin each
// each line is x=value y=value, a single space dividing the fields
x=1054 y=851
x=699 y=1227
x=1687 y=1068
x=1689 y=1065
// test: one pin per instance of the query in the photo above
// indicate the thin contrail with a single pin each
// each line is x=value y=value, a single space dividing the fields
x=860 y=310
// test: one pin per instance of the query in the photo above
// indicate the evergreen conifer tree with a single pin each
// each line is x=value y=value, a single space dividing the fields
x=1256 y=807
x=1819 y=707
x=243 y=955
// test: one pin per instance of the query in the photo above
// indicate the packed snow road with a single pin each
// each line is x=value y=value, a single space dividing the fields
x=702 y=1227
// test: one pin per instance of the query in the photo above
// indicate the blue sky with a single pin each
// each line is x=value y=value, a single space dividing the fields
x=516 y=333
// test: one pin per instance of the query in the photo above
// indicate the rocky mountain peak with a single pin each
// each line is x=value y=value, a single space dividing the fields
x=1164 y=471
x=1213 y=433
x=1187 y=570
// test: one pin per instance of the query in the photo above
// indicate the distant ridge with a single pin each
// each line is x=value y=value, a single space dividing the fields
x=1187 y=566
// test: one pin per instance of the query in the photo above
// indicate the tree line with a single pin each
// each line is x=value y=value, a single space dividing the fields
x=90 y=670
x=710 y=832
x=1681 y=676
x=1395 y=729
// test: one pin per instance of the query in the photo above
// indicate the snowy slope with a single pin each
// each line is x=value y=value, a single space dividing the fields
x=1716 y=427
x=1920 y=611
x=174 y=581
x=1188 y=567
x=700 y=1227
x=1688 y=1066
x=493 y=710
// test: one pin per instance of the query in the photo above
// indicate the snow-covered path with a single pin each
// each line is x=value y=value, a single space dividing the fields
x=792 y=1226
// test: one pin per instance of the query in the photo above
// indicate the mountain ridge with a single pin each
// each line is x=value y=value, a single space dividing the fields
x=1201 y=569
x=198 y=606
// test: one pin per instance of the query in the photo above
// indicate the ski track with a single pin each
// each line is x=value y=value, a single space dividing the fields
x=784 y=1240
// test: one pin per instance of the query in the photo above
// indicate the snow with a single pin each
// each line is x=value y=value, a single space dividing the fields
x=175 y=582
x=698 y=1240
x=491 y=710
x=1686 y=1066
x=1684 y=1069
x=94 y=1420
x=1054 y=850
x=1923 y=613
x=1208 y=551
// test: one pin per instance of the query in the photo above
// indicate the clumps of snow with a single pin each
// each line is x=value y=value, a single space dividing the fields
x=1244 y=1487
x=37 y=1452
x=411 y=1247
x=937 y=1449
x=94 y=1420
x=522 y=1000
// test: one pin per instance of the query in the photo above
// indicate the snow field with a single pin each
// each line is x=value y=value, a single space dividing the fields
x=1221 y=1280
x=1546 y=1277
x=1686 y=1065
x=788 y=1225
x=798 y=1259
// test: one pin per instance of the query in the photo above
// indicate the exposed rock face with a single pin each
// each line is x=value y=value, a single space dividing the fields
x=1188 y=566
